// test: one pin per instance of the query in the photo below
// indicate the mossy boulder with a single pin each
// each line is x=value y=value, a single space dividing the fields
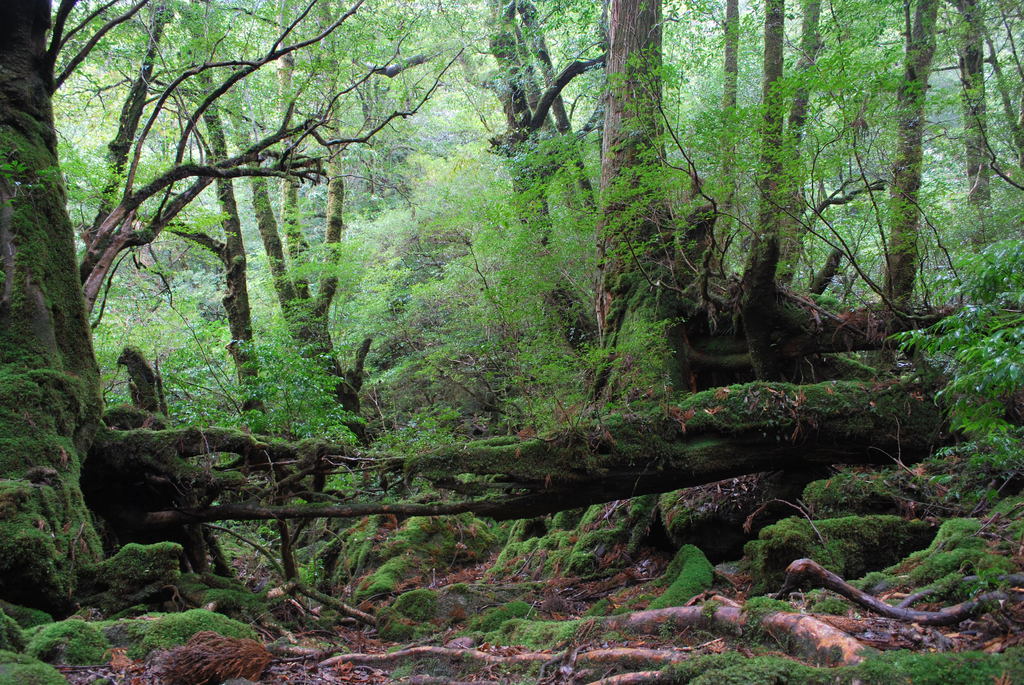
x=420 y=543
x=851 y=493
x=405 y=617
x=72 y=642
x=137 y=574
x=165 y=631
x=587 y=547
x=224 y=595
x=689 y=574
x=849 y=546
x=11 y=637
x=535 y=634
x=25 y=616
x=21 y=669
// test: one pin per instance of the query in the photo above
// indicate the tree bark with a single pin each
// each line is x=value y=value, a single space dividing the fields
x=759 y=287
x=49 y=384
x=903 y=253
x=972 y=79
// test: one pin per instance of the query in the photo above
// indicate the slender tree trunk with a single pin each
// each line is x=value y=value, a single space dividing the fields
x=729 y=90
x=903 y=255
x=972 y=78
x=232 y=255
x=49 y=384
x=792 y=230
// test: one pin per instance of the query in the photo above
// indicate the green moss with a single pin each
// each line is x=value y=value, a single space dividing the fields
x=21 y=669
x=419 y=605
x=26 y=617
x=492 y=619
x=850 y=493
x=849 y=546
x=137 y=574
x=830 y=605
x=142 y=635
x=421 y=542
x=693 y=574
x=534 y=634
x=11 y=637
x=890 y=668
x=400 y=620
x=72 y=642
x=229 y=596
x=956 y=551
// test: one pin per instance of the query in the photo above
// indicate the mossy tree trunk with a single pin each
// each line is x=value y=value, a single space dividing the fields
x=903 y=250
x=49 y=384
x=636 y=238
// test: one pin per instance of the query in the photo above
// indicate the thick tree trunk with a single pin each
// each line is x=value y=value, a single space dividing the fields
x=49 y=384
x=759 y=288
x=903 y=255
x=636 y=238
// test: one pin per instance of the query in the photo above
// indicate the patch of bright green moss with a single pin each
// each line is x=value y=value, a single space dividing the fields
x=849 y=494
x=693 y=574
x=227 y=595
x=535 y=634
x=421 y=542
x=401 y=621
x=21 y=669
x=73 y=642
x=493 y=618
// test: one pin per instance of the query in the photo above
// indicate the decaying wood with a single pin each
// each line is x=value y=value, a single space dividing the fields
x=808 y=573
x=700 y=438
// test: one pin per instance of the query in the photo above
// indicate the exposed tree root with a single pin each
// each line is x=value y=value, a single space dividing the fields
x=804 y=636
x=638 y=678
x=613 y=655
x=807 y=573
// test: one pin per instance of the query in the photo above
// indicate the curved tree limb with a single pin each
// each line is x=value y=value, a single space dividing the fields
x=805 y=572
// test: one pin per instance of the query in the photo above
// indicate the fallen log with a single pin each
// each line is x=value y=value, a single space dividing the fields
x=808 y=573
x=706 y=437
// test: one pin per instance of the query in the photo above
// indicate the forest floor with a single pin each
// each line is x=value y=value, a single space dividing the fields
x=598 y=627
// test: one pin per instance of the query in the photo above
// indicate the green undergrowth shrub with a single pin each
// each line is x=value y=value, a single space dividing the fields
x=21 y=669
x=689 y=574
x=73 y=642
x=849 y=546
